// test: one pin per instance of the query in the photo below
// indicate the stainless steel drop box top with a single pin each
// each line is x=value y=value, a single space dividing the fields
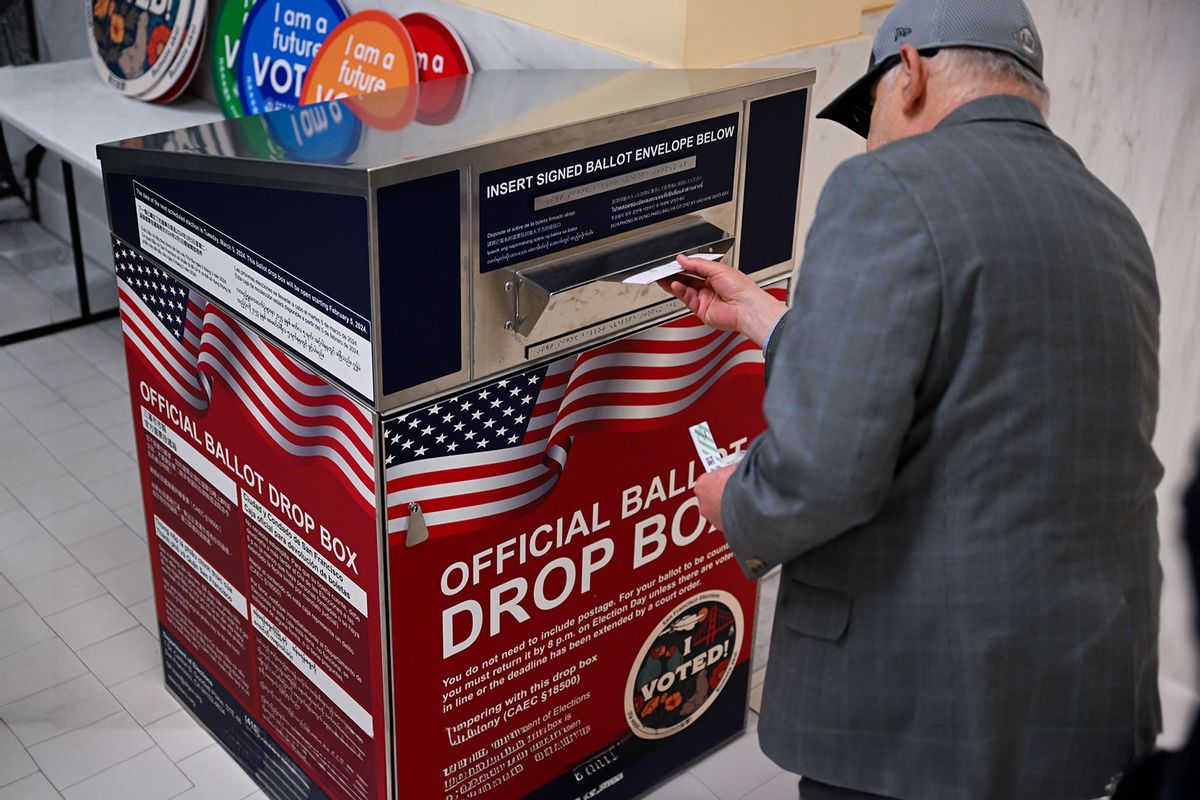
x=413 y=241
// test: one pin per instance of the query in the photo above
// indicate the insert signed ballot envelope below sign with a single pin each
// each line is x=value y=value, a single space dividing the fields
x=711 y=456
x=665 y=270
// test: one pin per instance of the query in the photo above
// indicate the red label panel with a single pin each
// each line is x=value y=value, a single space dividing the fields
x=259 y=486
x=320 y=622
x=199 y=616
x=564 y=622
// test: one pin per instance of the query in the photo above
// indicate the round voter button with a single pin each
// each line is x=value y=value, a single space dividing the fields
x=256 y=138
x=186 y=75
x=226 y=44
x=440 y=51
x=369 y=52
x=387 y=111
x=279 y=42
x=183 y=70
x=134 y=42
x=325 y=133
x=442 y=100
x=183 y=67
x=684 y=664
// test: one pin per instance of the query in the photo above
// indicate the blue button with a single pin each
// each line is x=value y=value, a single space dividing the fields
x=279 y=42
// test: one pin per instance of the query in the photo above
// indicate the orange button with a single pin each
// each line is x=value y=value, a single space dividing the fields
x=368 y=52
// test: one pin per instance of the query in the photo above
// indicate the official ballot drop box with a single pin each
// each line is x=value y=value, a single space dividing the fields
x=414 y=451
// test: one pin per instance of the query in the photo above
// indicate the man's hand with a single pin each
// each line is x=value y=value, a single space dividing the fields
x=710 y=488
x=724 y=298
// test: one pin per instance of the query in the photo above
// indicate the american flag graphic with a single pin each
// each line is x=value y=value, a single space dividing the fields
x=191 y=344
x=499 y=449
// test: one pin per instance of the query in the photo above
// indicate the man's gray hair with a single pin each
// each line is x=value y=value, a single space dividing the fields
x=971 y=63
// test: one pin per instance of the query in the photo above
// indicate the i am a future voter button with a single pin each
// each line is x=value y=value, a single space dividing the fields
x=440 y=51
x=369 y=52
x=280 y=41
x=226 y=47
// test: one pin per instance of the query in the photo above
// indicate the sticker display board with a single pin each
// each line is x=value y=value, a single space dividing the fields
x=258 y=482
x=564 y=623
x=183 y=78
x=544 y=206
x=133 y=45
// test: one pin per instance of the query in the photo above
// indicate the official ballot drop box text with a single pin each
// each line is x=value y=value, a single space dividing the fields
x=414 y=453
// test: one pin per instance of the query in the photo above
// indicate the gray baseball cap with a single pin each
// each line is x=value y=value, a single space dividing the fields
x=928 y=25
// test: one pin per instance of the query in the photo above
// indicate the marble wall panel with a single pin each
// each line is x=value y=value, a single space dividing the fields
x=1126 y=94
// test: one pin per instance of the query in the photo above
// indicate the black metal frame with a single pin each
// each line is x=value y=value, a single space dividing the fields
x=86 y=316
x=33 y=164
x=7 y=176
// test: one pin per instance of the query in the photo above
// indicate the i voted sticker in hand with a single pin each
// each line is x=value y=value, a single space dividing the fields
x=712 y=457
x=280 y=41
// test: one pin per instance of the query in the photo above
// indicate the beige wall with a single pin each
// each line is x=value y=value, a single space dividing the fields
x=691 y=33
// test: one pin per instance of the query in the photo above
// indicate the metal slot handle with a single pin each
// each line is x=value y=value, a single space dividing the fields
x=537 y=288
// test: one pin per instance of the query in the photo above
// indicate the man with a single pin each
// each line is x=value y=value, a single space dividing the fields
x=957 y=476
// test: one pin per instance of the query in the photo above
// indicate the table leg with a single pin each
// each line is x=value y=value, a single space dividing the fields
x=86 y=316
x=68 y=173
x=33 y=165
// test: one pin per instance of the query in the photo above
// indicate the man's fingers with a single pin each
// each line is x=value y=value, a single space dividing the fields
x=694 y=282
x=673 y=285
x=688 y=295
x=702 y=267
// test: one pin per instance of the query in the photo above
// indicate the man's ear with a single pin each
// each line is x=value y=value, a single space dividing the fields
x=914 y=78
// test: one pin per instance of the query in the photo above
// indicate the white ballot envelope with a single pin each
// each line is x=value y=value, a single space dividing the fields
x=665 y=270
x=710 y=455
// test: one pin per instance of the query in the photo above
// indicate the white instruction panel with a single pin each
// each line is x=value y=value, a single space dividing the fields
x=317 y=327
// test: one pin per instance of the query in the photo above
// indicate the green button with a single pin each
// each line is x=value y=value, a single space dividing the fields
x=226 y=46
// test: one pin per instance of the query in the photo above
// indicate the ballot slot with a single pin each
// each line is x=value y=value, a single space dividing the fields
x=571 y=293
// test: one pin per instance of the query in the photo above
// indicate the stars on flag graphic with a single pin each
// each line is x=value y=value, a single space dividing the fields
x=499 y=449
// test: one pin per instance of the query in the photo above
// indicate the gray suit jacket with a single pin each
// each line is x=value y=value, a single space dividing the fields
x=957 y=476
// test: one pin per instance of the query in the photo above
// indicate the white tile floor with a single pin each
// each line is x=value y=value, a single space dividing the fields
x=37 y=280
x=83 y=713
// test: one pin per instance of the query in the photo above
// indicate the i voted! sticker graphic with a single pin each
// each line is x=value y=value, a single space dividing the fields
x=280 y=40
x=684 y=664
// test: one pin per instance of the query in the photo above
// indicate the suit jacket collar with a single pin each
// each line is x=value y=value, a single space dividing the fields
x=996 y=107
